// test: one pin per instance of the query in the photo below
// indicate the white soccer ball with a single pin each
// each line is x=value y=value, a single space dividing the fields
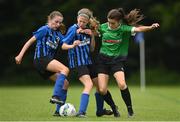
x=67 y=109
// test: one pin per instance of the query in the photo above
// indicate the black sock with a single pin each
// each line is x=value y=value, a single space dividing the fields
x=126 y=97
x=108 y=98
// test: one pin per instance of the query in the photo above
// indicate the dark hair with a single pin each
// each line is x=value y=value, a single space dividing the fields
x=132 y=18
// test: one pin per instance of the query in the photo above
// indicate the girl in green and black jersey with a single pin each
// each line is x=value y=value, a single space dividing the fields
x=115 y=34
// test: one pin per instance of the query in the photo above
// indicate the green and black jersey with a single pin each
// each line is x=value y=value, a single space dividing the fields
x=115 y=42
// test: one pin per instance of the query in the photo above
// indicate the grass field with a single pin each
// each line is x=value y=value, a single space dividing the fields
x=32 y=103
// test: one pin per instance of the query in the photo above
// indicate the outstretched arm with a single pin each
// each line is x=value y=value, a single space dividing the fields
x=146 y=28
x=19 y=57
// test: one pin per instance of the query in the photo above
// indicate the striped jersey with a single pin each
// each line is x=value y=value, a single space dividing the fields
x=47 y=41
x=80 y=55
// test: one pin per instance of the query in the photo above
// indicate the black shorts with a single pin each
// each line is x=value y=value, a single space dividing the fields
x=40 y=65
x=87 y=70
x=107 y=64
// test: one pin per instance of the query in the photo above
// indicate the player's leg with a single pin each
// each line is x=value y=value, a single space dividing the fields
x=100 y=101
x=63 y=93
x=102 y=83
x=87 y=82
x=62 y=70
x=120 y=78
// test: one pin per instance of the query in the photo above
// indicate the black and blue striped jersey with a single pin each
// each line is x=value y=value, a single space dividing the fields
x=47 y=41
x=80 y=55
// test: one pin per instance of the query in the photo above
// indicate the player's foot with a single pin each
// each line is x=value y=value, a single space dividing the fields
x=56 y=113
x=130 y=112
x=116 y=112
x=104 y=112
x=56 y=100
x=81 y=115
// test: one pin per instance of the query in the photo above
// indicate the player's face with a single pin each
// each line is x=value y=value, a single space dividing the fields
x=113 y=24
x=55 y=22
x=82 y=21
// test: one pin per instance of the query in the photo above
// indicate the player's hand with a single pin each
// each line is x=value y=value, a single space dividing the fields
x=76 y=43
x=18 y=59
x=155 y=25
x=79 y=30
x=88 y=31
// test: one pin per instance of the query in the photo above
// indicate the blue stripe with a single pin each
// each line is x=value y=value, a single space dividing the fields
x=73 y=60
x=38 y=52
x=44 y=47
x=78 y=56
x=89 y=58
x=83 y=59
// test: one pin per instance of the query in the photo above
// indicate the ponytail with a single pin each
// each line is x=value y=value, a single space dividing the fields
x=62 y=28
x=132 y=18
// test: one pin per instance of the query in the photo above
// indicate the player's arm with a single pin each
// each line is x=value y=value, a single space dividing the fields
x=19 y=57
x=66 y=46
x=145 y=28
x=68 y=41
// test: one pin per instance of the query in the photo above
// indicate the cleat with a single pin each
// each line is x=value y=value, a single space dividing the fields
x=56 y=114
x=81 y=115
x=104 y=112
x=56 y=100
x=116 y=112
x=130 y=112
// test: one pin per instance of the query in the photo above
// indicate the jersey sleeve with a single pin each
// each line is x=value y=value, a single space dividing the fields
x=69 y=37
x=100 y=29
x=40 y=33
x=129 y=29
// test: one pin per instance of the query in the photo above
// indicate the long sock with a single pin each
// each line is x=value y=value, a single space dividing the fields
x=108 y=98
x=126 y=97
x=63 y=96
x=99 y=102
x=84 y=103
x=59 y=85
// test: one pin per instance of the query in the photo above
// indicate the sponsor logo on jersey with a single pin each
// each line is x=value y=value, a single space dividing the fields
x=86 y=41
x=112 y=41
x=54 y=44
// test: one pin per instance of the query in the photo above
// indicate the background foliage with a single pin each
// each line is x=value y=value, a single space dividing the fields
x=19 y=18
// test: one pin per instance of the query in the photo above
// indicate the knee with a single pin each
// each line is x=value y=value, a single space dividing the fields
x=122 y=86
x=102 y=91
x=65 y=71
x=90 y=85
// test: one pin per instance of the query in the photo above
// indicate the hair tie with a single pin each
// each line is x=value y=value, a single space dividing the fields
x=84 y=15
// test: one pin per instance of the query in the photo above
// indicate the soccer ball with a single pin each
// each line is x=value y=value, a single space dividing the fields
x=67 y=109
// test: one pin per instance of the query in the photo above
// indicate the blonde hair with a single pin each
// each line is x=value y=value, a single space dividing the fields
x=53 y=14
x=62 y=27
x=85 y=12
x=93 y=22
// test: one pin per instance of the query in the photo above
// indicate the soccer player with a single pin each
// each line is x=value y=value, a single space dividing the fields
x=79 y=42
x=99 y=99
x=47 y=39
x=115 y=34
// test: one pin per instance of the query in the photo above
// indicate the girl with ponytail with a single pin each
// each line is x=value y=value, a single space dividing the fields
x=115 y=35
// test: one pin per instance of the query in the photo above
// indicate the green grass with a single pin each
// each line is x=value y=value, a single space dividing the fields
x=32 y=103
